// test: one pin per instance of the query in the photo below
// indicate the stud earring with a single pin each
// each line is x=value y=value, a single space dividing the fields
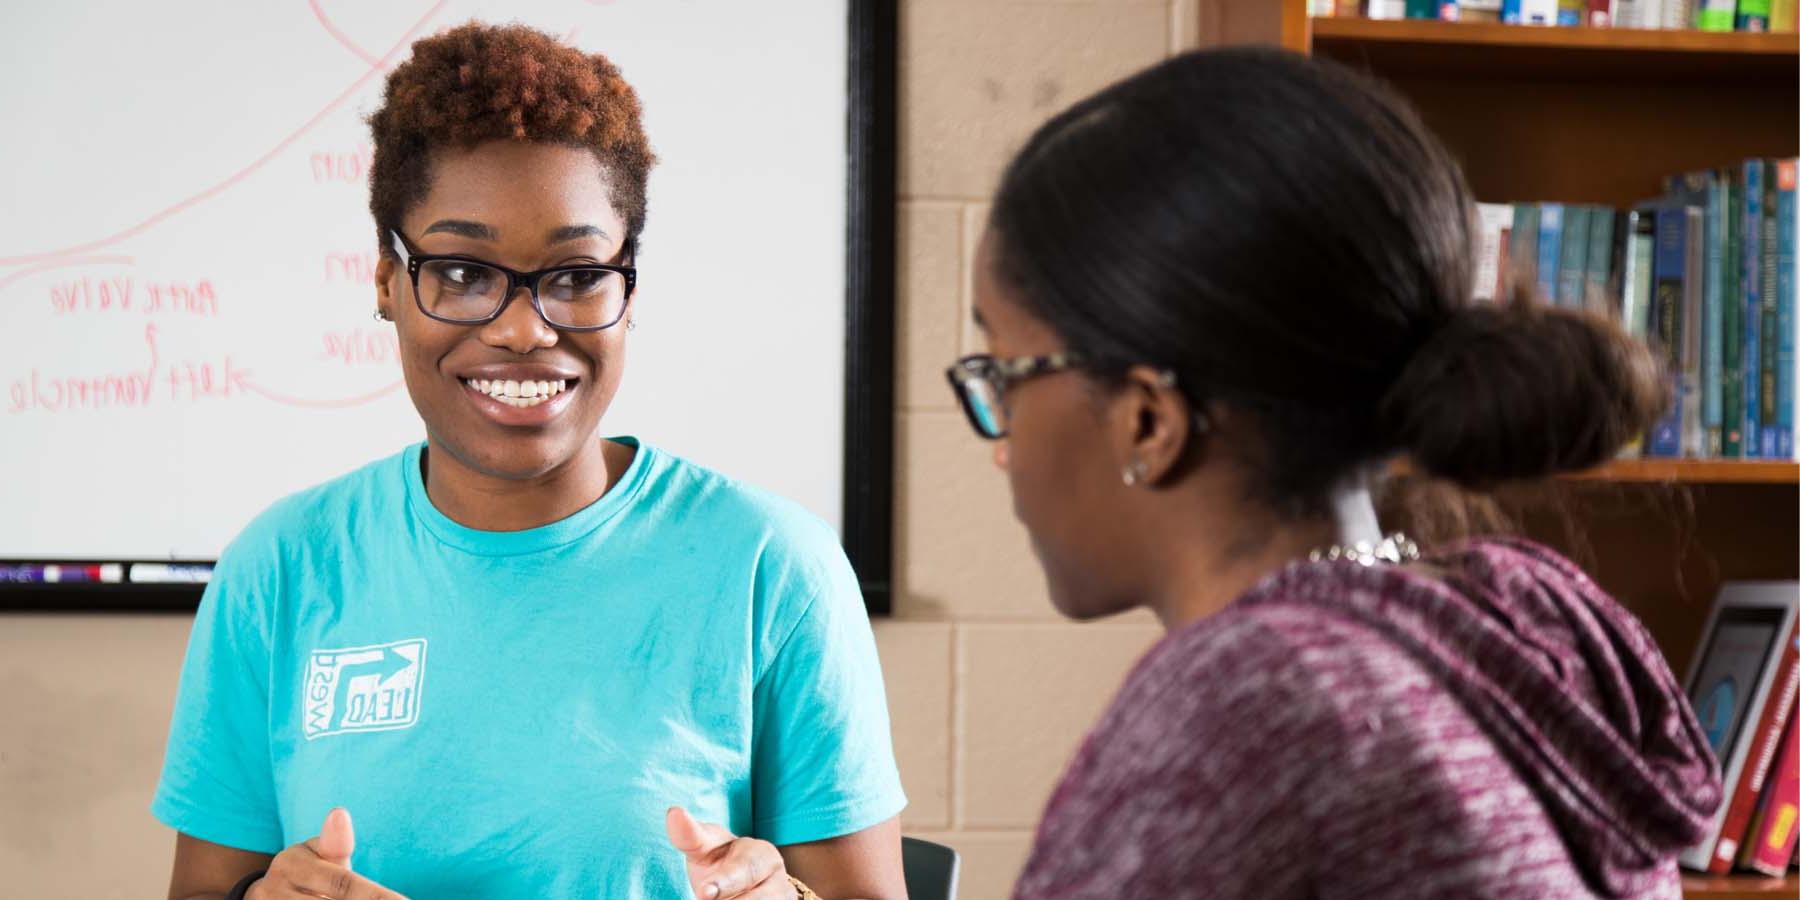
x=381 y=316
x=1135 y=473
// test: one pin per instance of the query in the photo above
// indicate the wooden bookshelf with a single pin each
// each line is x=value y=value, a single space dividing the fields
x=1694 y=471
x=1669 y=472
x=1586 y=115
x=1738 y=887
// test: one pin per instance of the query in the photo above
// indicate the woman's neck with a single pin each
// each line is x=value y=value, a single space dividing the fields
x=1223 y=556
x=490 y=502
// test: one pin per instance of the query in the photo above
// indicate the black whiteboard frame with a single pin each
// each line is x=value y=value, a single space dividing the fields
x=868 y=461
x=870 y=284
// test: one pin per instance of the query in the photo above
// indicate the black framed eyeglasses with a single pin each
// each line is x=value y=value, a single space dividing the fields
x=981 y=381
x=462 y=290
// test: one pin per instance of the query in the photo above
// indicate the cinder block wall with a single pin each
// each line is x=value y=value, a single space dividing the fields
x=990 y=690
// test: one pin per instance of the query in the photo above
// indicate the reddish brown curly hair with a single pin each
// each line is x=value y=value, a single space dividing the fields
x=478 y=83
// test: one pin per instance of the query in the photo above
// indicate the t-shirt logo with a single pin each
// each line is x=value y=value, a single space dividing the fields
x=372 y=688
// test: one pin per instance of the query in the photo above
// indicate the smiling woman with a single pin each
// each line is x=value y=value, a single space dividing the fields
x=608 y=630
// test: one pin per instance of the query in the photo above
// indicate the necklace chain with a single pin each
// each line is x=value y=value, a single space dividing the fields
x=1392 y=548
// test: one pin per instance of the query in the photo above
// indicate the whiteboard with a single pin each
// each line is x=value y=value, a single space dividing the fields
x=185 y=267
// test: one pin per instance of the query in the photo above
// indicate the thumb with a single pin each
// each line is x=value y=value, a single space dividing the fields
x=694 y=839
x=337 y=839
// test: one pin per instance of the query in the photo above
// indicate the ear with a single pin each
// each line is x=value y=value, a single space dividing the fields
x=387 y=271
x=1151 y=425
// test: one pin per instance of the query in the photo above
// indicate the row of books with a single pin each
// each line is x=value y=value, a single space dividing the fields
x=1705 y=15
x=1705 y=274
x=1744 y=684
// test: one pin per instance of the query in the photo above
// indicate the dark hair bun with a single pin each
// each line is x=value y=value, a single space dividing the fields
x=1521 y=391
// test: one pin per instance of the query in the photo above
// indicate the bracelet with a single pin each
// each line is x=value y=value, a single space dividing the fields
x=243 y=887
x=805 y=892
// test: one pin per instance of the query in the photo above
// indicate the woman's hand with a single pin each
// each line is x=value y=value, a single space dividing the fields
x=319 y=867
x=721 y=866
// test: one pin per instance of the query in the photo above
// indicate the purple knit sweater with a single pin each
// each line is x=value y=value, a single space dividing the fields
x=1506 y=730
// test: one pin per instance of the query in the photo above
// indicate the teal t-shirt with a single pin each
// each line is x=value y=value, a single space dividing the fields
x=510 y=714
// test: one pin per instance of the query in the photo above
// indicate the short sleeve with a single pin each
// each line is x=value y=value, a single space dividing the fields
x=217 y=782
x=822 y=756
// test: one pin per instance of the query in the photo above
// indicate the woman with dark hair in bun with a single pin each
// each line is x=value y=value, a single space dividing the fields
x=510 y=649
x=1220 y=296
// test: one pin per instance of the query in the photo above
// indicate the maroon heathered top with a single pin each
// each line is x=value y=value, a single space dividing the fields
x=1342 y=731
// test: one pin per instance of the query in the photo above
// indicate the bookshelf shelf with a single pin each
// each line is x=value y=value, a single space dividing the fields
x=1466 y=34
x=1561 y=55
x=1737 y=887
x=1694 y=471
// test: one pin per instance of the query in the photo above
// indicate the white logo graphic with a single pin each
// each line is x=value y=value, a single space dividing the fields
x=372 y=688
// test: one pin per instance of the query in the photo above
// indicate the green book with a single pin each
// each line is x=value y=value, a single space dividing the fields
x=1716 y=15
x=1522 y=248
x=1571 y=267
x=1598 y=291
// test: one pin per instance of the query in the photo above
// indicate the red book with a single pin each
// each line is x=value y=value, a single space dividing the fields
x=1772 y=838
x=1600 y=13
x=1765 y=740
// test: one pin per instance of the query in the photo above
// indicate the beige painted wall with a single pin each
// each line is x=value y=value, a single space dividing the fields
x=989 y=690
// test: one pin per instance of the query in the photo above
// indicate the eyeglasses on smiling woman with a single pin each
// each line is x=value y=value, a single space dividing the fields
x=462 y=290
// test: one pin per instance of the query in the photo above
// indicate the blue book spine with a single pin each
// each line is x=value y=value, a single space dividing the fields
x=1668 y=276
x=1784 y=293
x=1749 y=276
x=1510 y=12
x=1549 y=249
x=1731 y=363
x=1767 y=269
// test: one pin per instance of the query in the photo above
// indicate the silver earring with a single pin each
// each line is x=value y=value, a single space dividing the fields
x=381 y=316
x=630 y=324
x=1135 y=473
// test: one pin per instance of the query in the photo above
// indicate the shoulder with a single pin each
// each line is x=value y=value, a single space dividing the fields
x=707 y=492
x=1262 y=688
x=794 y=559
x=326 y=514
x=1247 y=654
x=1226 y=735
x=781 y=535
x=245 y=594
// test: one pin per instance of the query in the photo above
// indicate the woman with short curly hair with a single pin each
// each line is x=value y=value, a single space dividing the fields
x=510 y=649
